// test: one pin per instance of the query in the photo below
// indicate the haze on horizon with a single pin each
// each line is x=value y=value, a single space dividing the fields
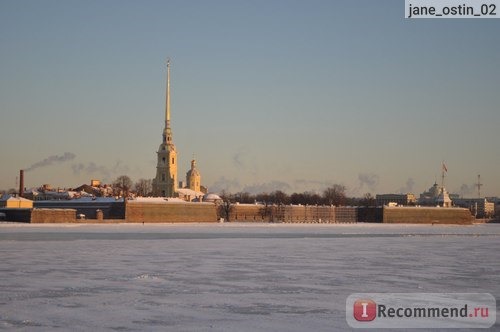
x=267 y=95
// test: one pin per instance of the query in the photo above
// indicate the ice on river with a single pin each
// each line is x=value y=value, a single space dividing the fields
x=228 y=277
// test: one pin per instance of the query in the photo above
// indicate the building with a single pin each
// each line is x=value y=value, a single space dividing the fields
x=496 y=202
x=193 y=177
x=165 y=182
x=191 y=190
x=435 y=196
x=11 y=202
x=399 y=199
x=479 y=207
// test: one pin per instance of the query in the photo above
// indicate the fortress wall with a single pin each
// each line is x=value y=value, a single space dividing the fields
x=249 y=213
x=372 y=214
x=17 y=214
x=346 y=214
x=311 y=214
x=295 y=214
x=283 y=213
x=427 y=215
x=200 y=212
x=40 y=216
x=170 y=213
x=110 y=209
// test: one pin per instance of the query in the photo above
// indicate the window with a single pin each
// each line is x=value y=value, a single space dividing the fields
x=163 y=177
x=163 y=160
x=173 y=161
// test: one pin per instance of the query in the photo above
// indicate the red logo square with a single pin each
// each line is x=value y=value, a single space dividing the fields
x=365 y=310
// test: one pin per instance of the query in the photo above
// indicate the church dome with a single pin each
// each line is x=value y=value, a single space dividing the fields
x=211 y=197
x=193 y=172
x=193 y=177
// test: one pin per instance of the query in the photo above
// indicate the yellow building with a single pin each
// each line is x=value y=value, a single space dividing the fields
x=10 y=202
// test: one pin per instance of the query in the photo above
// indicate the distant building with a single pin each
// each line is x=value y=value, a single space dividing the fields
x=435 y=196
x=11 y=202
x=479 y=207
x=399 y=199
x=496 y=202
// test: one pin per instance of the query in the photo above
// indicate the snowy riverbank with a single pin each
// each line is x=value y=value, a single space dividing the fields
x=245 y=277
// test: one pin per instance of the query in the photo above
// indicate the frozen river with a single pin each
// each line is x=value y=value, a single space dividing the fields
x=228 y=277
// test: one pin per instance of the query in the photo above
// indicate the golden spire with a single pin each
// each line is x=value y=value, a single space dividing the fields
x=167 y=136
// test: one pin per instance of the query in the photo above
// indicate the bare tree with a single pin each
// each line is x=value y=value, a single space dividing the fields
x=227 y=205
x=297 y=198
x=279 y=197
x=244 y=197
x=122 y=184
x=335 y=195
x=368 y=200
x=143 y=187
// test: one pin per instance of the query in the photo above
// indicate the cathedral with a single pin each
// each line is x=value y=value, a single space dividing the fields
x=165 y=184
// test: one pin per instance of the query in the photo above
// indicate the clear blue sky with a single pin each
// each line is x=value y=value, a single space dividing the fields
x=290 y=95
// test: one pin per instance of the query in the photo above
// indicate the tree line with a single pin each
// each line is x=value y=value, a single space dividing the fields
x=334 y=195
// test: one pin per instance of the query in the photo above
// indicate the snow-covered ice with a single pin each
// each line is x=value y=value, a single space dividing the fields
x=228 y=277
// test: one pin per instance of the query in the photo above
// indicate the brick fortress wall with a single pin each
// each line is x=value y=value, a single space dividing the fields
x=170 y=212
x=427 y=215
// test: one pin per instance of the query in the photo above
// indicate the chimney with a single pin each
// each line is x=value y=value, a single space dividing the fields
x=21 y=183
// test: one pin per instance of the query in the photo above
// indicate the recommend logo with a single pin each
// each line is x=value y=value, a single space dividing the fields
x=364 y=310
x=421 y=310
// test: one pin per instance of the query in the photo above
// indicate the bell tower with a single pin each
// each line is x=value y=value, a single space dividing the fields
x=165 y=182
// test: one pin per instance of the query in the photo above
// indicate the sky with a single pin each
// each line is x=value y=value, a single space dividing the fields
x=266 y=95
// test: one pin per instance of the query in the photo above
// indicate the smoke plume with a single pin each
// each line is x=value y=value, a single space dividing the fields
x=368 y=180
x=467 y=190
x=408 y=188
x=51 y=160
x=106 y=173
